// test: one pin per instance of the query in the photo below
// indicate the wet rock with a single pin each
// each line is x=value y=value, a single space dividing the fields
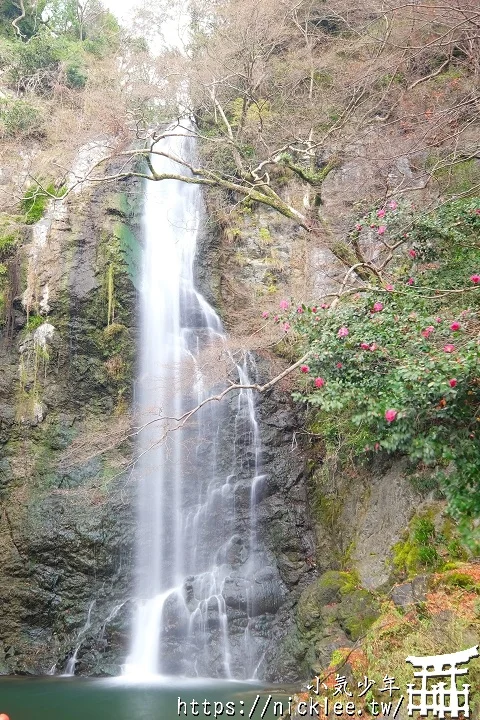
x=411 y=592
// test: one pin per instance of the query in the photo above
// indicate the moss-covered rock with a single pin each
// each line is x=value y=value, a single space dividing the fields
x=332 y=612
x=67 y=515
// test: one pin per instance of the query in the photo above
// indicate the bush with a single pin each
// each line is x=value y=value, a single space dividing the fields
x=76 y=76
x=33 y=65
x=8 y=244
x=400 y=365
x=19 y=118
x=28 y=26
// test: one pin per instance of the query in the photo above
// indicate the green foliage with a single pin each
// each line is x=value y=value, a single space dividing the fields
x=19 y=118
x=34 y=322
x=418 y=552
x=32 y=65
x=426 y=548
x=90 y=23
x=8 y=244
x=59 y=45
x=404 y=381
x=76 y=76
x=461 y=580
x=35 y=201
x=28 y=26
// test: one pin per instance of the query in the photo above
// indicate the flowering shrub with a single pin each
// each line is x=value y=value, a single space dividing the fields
x=400 y=371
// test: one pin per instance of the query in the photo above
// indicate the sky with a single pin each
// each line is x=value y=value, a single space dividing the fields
x=120 y=8
x=172 y=30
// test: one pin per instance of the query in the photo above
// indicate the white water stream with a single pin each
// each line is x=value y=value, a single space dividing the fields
x=198 y=555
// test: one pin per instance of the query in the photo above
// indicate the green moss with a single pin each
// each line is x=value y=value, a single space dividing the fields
x=463 y=177
x=34 y=322
x=357 y=613
x=427 y=548
x=461 y=580
x=113 y=331
x=264 y=235
x=310 y=176
x=35 y=201
x=385 y=80
x=336 y=599
x=339 y=657
x=344 y=252
x=418 y=552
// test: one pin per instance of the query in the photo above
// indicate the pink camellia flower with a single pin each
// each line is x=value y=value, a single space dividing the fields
x=438 y=319
x=410 y=281
x=265 y=314
x=453 y=382
x=339 y=366
x=284 y=304
x=392 y=205
x=373 y=225
x=390 y=415
x=276 y=319
x=343 y=332
x=286 y=327
x=365 y=346
x=381 y=230
x=449 y=348
x=319 y=382
x=455 y=326
x=358 y=227
x=428 y=331
x=412 y=253
x=381 y=213
x=378 y=307
x=389 y=287
x=305 y=369
x=314 y=309
x=299 y=310
x=324 y=306
x=377 y=447
x=373 y=347
x=475 y=279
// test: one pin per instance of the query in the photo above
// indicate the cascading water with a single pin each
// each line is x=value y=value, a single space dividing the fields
x=206 y=588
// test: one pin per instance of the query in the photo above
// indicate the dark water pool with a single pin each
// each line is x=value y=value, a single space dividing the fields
x=86 y=699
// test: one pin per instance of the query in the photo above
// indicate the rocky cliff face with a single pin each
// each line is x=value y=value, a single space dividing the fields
x=68 y=506
x=67 y=498
x=66 y=388
x=331 y=530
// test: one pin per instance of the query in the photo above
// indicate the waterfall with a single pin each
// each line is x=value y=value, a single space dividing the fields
x=205 y=585
x=72 y=661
